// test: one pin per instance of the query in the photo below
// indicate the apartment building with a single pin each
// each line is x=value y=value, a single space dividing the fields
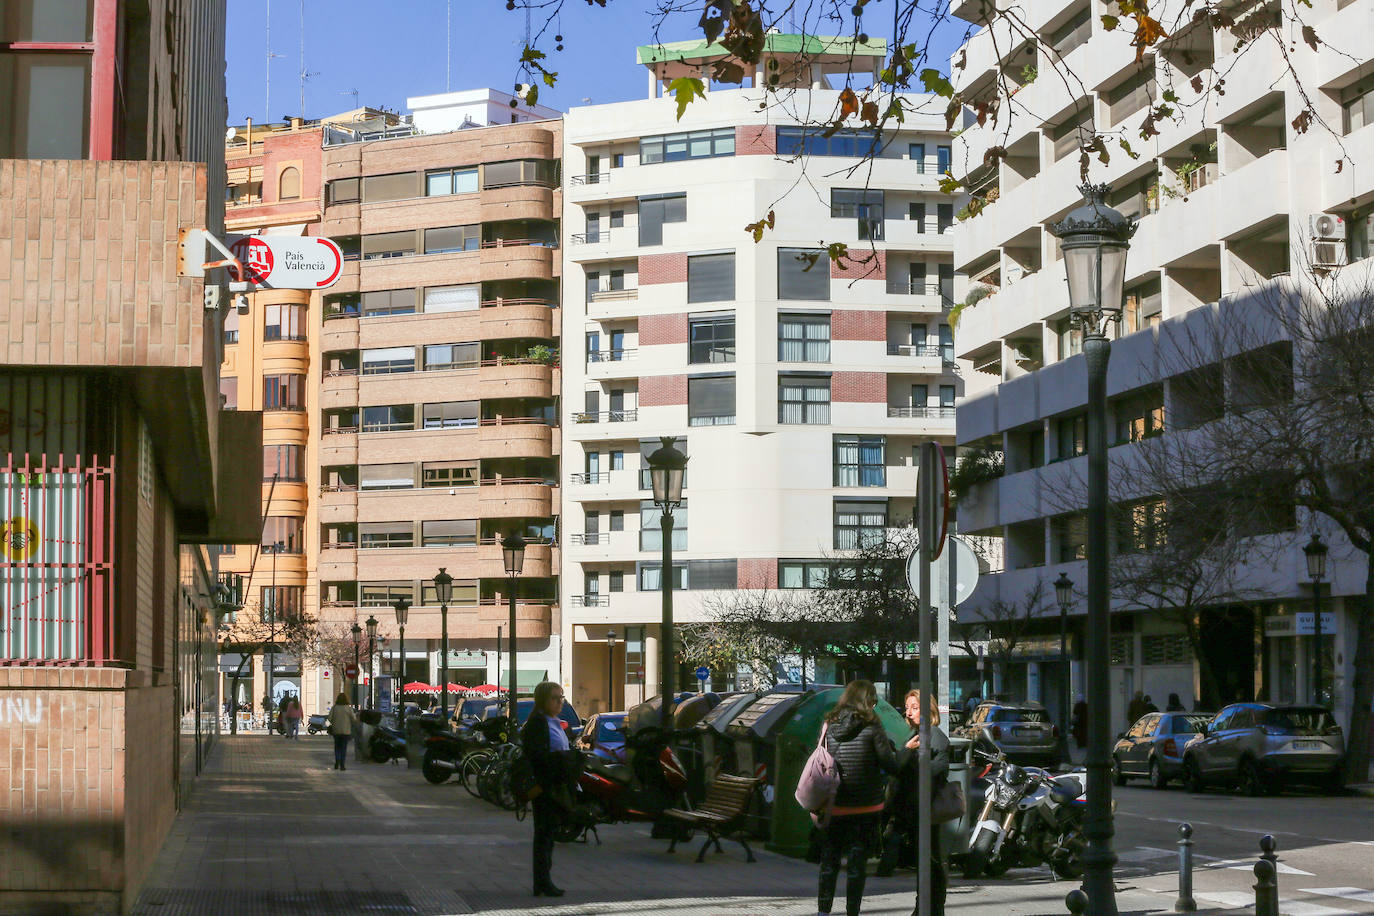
x=439 y=373
x=1227 y=199
x=798 y=388
x=119 y=466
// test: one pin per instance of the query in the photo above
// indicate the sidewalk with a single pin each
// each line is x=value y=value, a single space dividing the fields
x=272 y=829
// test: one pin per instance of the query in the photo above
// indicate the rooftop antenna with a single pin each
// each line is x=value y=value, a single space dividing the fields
x=267 y=81
x=305 y=74
x=352 y=92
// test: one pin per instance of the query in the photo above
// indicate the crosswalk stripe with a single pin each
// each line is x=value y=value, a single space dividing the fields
x=1358 y=894
x=1240 y=899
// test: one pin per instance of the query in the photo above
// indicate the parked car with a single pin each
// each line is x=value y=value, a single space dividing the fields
x=604 y=735
x=1153 y=747
x=1259 y=748
x=572 y=722
x=1022 y=731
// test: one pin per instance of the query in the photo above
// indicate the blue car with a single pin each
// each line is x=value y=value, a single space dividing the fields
x=604 y=736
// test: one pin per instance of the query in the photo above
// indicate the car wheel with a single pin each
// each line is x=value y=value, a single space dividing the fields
x=1157 y=777
x=1252 y=781
x=1192 y=776
x=1118 y=777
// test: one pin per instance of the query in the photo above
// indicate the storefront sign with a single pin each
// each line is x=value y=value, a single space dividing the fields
x=1303 y=623
x=466 y=659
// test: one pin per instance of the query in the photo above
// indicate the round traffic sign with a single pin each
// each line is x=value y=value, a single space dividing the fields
x=703 y=673
x=351 y=671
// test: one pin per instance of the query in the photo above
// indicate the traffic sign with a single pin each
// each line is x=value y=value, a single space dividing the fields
x=703 y=673
x=932 y=499
x=965 y=573
x=351 y=671
x=288 y=261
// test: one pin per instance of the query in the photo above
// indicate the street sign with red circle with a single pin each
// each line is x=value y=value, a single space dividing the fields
x=351 y=671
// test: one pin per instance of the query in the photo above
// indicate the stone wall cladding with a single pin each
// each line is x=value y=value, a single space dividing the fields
x=662 y=390
x=757 y=573
x=858 y=324
x=858 y=387
x=756 y=140
x=662 y=268
x=662 y=329
x=861 y=264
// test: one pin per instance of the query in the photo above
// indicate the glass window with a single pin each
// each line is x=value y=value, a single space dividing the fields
x=281 y=602
x=654 y=212
x=386 y=534
x=448 y=414
x=447 y=239
x=388 y=360
x=916 y=152
x=1139 y=416
x=711 y=277
x=283 y=392
x=859 y=461
x=617 y=580
x=711 y=401
x=58 y=21
x=1071 y=436
x=386 y=476
x=376 y=594
x=1070 y=534
x=943 y=160
x=700 y=144
x=284 y=530
x=803 y=273
x=231 y=326
x=651 y=526
x=798 y=141
x=947 y=395
x=804 y=338
x=450 y=181
x=398 y=186
x=229 y=392
x=617 y=219
x=45 y=101
x=861 y=204
x=518 y=172
x=713 y=574
x=449 y=473
x=282 y=462
x=459 y=533
x=452 y=298
x=284 y=322
x=1357 y=105
x=803 y=399
x=803 y=573
x=858 y=524
x=388 y=418
x=345 y=191
x=388 y=244
x=711 y=340
x=464 y=594
x=388 y=302
x=289 y=184
x=651 y=577
x=944 y=217
x=916 y=212
x=617 y=519
x=452 y=356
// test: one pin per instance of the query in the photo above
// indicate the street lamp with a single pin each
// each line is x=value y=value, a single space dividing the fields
x=1094 y=239
x=371 y=656
x=513 y=555
x=1316 y=571
x=1063 y=590
x=611 y=638
x=443 y=590
x=357 y=632
x=667 y=467
x=402 y=608
x=275 y=547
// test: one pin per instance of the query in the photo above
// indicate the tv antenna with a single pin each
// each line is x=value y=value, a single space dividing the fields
x=305 y=74
x=267 y=81
x=352 y=92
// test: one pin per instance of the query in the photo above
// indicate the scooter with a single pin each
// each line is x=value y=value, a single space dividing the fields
x=445 y=750
x=317 y=723
x=653 y=781
x=386 y=744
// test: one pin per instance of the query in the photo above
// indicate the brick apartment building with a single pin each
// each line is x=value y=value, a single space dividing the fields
x=118 y=464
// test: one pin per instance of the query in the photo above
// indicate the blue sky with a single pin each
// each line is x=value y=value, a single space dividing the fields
x=389 y=50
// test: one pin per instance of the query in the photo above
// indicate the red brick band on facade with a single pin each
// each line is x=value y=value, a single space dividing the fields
x=662 y=390
x=757 y=573
x=662 y=329
x=662 y=268
x=858 y=388
x=860 y=264
x=858 y=324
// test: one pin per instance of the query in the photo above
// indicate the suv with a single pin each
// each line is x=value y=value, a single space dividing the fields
x=1258 y=748
x=1022 y=731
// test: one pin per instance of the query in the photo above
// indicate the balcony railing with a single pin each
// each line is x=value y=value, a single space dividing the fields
x=941 y=413
x=339 y=430
x=590 y=600
x=927 y=351
x=590 y=538
x=613 y=295
x=499 y=303
x=519 y=243
x=592 y=178
x=610 y=356
x=592 y=477
x=606 y=416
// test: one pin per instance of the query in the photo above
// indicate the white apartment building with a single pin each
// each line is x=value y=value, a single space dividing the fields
x=1225 y=199
x=798 y=394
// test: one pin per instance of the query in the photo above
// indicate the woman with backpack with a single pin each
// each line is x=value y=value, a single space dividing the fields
x=904 y=811
x=864 y=756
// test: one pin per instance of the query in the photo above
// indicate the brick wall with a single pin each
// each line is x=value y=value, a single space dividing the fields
x=858 y=324
x=858 y=387
x=662 y=329
x=757 y=573
x=662 y=268
x=662 y=390
x=861 y=264
x=756 y=140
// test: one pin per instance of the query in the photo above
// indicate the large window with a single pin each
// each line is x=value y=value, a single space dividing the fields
x=651 y=577
x=283 y=392
x=464 y=593
x=803 y=573
x=377 y=535
x=447 y=239
x=864 y=205
x=388 y=244
x=282 y=462
x=916 y=152
x=799 y=141
x=457 y=533
x=382 y=302
x=450 y=414
x=45 y=99
x=386 y=594
x=711 y=277
x=943 y=160
x=859 y=524
x=804 y=338
x=518 y=172
x=345 y=191
x=1071 y=436
x=698 y=144
x=281 y=602
x=397 y=186
x=452 y=356
x=712 y=574
x=1139 y=527
x=284 y=322
x=1139 y=416
x=286 y=530
x=651 y=526
x=386 y=476
x=711 y=339
x=655 y=211
x=388 y=360
x=388 y=418
x=803 y=399
x=711 y=401
x=449 y=473
x=803 y=273
x=443 y=182
x=452 y=298
x=859 y=461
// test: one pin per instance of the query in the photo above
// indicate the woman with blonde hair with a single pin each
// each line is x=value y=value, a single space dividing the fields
x=341 y=721
x=904 y=805
x=865 y=756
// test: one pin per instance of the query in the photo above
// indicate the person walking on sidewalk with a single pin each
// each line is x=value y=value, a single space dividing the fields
x=291 y=717
x=864 y=755
x=341 y=721
x=904 y=808
x=552 y=762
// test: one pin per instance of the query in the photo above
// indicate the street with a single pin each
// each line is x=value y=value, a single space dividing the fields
x=271 y=829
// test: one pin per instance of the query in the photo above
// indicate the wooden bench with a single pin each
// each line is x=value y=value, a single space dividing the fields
x=721 y=814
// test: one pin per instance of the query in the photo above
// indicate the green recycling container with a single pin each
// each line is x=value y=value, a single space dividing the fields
x=791 y=826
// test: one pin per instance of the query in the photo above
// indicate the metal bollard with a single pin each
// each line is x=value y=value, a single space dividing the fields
x=1185 y=902
x=1076 y=901
x=1267 y=847
x=1266 y=889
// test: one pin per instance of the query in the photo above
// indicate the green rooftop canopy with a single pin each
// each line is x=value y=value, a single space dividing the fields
x=834 y=47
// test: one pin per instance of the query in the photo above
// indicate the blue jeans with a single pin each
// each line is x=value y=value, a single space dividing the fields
x=340 y=750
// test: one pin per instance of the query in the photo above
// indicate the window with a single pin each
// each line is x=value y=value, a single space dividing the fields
x=460 y=533
x=388 y=245
x=712 y=574
x=450 y=181
x=798 y=141
x=1070 y=535
x=711 y=277
x=947 y=396
x=281 y=602
x=282 y=462
x=388 y=302
x=803 y=573
x=284 y=322
x=388 y=360
x=591 y=584
x=698 y=144
x=617 y=160
x=617 y=580
x=383 y=535
x=1071 y=436
x=1358 y=239
x=464 y=594
x=1071 y=135
x=283 y=392
x=617 y=519
x=1072 y=34
x=231 y=326
x=943 y=160
x=803 y=399
x=449 y=474
x=229 y=392
x=398 y=186
x=345 y=191
x=944 y=218
x=390 y=418
x=593 y=233
x=916 y=152
x=447 y=239
x=1139 y=527
x=654 y=212
x=1069 y=338
x=920 y=395
x=284 y=530
x=450 y=414
x=617 y=219
x=711 y=340
x=804 y=338
x=1357 y=105
x=386 y=594
x=1139 y=416
x=386 y=476
x=452 y=356
x=916 y=213
x=859 y=461
x=803 y=273
x=45 y=103
x=289 y=184
x=651 y=577
x=859 y=523
x=452 y=298
x=651 y=526
x=711 y=401
x=518 y=172
x=864 y=205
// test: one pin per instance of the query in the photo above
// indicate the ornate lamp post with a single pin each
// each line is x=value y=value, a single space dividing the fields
x=513 y=556
x=1063 y=590
x=1095 y=239
x=611 y=638
x=667 y=467
x=402 y=608
x=357 y=632
x=1315 y=552
x=371 y=623
x=443 y=590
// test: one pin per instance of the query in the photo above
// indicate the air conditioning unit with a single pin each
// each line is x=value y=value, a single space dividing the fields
x=1327 y=226
x=1327 y=253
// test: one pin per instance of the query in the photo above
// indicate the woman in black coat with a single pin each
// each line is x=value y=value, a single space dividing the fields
x=553 y=763
x=903 y=825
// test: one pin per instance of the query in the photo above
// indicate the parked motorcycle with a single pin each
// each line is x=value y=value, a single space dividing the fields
x=445 y=750
x=1029 y=817
x=653 y=781
x=386 y=743
x=317 y=723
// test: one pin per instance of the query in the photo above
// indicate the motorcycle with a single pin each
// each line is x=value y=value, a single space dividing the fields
x=386 y=743
x=653 y=781
x=445 y=750
x=317 y=723
x=1029 y=817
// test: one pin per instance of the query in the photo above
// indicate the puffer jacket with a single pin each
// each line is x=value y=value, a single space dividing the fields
x=865 y=756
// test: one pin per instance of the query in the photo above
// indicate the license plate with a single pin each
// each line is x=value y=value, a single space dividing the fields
x=1308 y=745
x=1025 y=731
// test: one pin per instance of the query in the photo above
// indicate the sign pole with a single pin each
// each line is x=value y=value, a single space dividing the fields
x=930 y=493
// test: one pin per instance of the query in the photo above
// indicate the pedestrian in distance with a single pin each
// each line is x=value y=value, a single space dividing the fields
x=865 y=757
x=1149 y=706
x=1135 y=709
x=292 y=715
x=903 y=825
x=553 y=763
x=342 y=720
x=1174 y=704
x=1080 y=722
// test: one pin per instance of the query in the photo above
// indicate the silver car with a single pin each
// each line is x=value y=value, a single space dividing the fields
x=1259 y=748
x=1022 y=731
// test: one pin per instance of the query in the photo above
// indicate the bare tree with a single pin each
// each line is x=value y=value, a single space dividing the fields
x=1004 y=624
x=251 y=632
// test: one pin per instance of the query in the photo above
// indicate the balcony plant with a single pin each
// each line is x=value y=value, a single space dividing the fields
x=543 y=354
x=976 y=293
x=977 y=465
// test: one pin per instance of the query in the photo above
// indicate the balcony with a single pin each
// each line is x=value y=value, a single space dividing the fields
x=482 y=561
x=522 y=201
x=606 y=416
x=507 y=318
x=515 y=437
x=590 y=601
x=928 y=295
x=339 y=389
x=515 y=497
x=516 y=378
x=517 y=259
x=590 y=538
x=595 y=477
x=613 y=295
x=338 y=503
x=338 y=563
x=929 y=413
x=339 y=445
x=340 y=332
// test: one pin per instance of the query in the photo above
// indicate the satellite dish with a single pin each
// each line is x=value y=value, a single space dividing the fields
x=230 y=134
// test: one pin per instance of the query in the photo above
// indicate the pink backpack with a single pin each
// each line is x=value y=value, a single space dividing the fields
x=820 y=778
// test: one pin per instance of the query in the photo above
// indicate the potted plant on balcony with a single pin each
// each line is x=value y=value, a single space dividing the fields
x=977 y=465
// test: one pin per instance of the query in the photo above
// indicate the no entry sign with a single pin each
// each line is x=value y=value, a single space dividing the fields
x=351 y=671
